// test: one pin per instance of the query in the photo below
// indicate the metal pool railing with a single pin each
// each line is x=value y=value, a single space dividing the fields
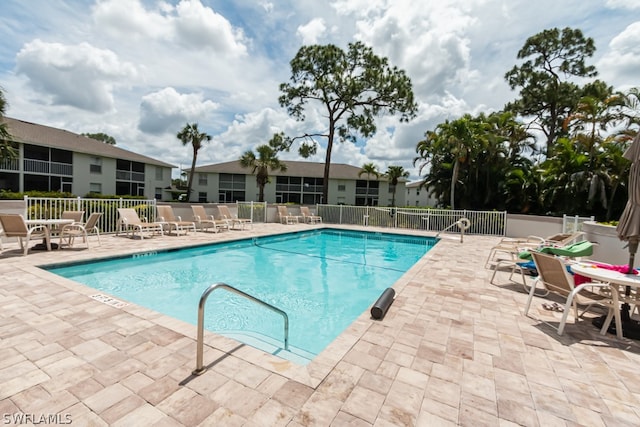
x=480 y=222
x=52 y=207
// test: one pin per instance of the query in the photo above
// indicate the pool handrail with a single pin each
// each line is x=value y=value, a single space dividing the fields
x=200 y=368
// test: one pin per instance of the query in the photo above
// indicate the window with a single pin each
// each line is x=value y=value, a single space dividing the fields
x=392 y=188
x=96 y=165
x=95 y=187
x=202 y=197
x=158 y=193
x=295 y=189
x=342 y=187
x=129 y=178
x=159 y=173
x=232 y=187
x=202 y=179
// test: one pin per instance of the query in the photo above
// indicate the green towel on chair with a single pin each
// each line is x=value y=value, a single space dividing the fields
x=574 y=250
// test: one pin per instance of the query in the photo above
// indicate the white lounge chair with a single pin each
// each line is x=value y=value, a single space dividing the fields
x=308 y=217
x=285 y=216
x=130 y=222
x=233 y=220
x=204 y=221
x=173 y=222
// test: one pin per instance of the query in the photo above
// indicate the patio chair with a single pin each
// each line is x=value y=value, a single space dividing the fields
x=69 y=232
x=76 y=216
x=233 y=220
x=307 y=216
x=13 y=225
x=166 y=216
x=130 y=222
x=285 y=216
x=205 y=222
x=553 y=276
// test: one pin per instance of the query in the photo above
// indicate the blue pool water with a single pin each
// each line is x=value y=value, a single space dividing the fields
x=323 y=279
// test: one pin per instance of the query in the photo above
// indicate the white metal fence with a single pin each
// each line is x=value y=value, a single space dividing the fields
x=52 y=207
x=255 y=211
x=573 y=224
x=481 y=222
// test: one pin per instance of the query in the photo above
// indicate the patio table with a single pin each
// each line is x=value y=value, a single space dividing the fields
x=49 y=223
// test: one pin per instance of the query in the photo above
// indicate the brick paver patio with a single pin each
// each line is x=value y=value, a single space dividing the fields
x=452 y=350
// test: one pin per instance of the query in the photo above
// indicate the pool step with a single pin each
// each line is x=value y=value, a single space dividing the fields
x=271 y=346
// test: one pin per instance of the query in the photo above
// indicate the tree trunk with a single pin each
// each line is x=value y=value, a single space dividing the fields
x=193 y=166
x=327 y=163
x=454 y=178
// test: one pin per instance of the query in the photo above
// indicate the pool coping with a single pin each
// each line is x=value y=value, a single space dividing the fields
x=310 y=375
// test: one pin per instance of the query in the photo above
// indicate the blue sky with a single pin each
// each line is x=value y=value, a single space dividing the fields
x=140 y=70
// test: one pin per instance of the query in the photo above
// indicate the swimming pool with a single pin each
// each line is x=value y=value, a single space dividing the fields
x=323 y=279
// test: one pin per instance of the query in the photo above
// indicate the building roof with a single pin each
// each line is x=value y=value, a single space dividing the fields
x=31 y=133
x=414 y=184
x=294 y=168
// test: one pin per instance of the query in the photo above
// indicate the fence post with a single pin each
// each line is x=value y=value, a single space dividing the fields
x=26 y=206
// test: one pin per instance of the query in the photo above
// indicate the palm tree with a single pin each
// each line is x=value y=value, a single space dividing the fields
x=191 y=135
x=261 y=164
x=7 y=148
x=393 y=174
x=369 y=169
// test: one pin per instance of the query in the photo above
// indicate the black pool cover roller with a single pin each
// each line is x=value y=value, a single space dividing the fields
x=381 y=306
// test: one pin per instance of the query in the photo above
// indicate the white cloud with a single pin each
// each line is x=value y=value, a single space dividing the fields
x=168 y=111
x=622 y=61
x=190 y=24
x=312 y=32
x=623 y=4
x=150 y=66
x=81 y=76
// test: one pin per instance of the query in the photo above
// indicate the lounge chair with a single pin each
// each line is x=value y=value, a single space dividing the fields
x=554 y=277
x=509 y=248
x=130 y=222
x=573 y=250
x=233 y=220
x=13 y=225
x=307 y=216
x=69 y=232
x=204 y=222
x=166 y=216
x=285 y=216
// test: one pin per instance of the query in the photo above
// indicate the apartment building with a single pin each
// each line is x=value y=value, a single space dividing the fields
x=52 y=159
x=301 y=183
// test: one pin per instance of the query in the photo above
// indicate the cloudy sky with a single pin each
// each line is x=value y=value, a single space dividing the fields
x=139 y=70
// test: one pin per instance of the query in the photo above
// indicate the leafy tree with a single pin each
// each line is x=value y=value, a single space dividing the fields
x=546 y=94
x=369 y=169
x=590 y=126
x=190 y=134
x=103 y=137
x=394 y=174
x=451 y=146
x=267 y=159
x=351 y=88
x=7 y=146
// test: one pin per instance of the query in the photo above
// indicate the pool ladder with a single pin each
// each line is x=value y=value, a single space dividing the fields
x=200 y=369
x=463 y=224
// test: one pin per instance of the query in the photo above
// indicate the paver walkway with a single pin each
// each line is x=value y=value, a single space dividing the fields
x=452 y=350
